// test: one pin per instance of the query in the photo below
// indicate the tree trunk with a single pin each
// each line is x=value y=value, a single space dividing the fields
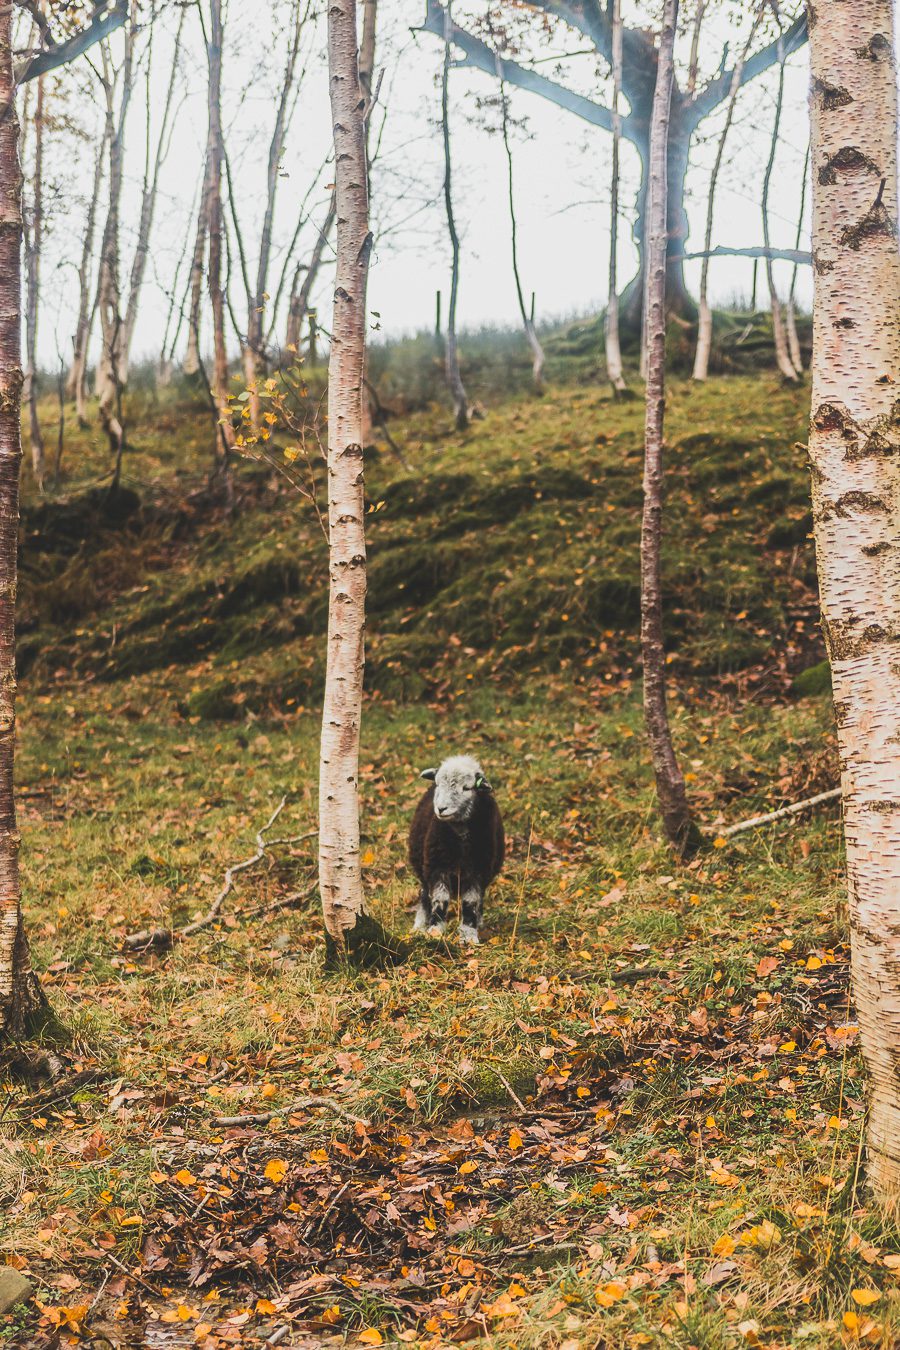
x=611 y=322
x=76 y=385
x=224 y=436
x=109 y=297
x=351 y=932
x=782 y=355
x=299 y=307
x=454 y=378
x=34 y=235
x=705 y=323
x=790 y=315
x=537 y=351
x=191 y=363
x=21 y=996
x=854 y=451
x=680 y=829
x=148 y=198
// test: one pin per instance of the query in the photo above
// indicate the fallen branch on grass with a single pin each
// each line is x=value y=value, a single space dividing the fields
x=164 y=937
x=300 y=1104
x=795 y=809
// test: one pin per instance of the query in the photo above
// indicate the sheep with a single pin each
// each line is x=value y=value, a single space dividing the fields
x=456 y=845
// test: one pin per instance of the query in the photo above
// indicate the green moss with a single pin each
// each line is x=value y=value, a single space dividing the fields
x=814 y=681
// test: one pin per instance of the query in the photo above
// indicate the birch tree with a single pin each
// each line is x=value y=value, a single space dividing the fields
x=34 y=240
x=854 y=451
x=782 y=355
x=22 y=1000
x=611 y=321
x=790 y=315
x=224 y=439
x=705 y=320
x=670 y=787
x=76 y=383
x=301 y=291
x=451 y=353
x=350 y=929
x=534 y=342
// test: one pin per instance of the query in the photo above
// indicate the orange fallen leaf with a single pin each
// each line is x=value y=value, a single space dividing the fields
x=275 y=1170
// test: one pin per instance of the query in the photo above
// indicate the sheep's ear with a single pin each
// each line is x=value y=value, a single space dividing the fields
x=482 y=784
x=430 y=774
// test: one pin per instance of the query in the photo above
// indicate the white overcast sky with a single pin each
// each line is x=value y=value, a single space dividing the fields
x=561 y=164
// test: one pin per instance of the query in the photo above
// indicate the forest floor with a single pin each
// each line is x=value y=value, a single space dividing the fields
x=633 y=1116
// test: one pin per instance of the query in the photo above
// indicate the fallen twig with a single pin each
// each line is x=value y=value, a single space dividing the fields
x=518 y=1100
x=164 y=937
x=782 y=813
x=299 y=1104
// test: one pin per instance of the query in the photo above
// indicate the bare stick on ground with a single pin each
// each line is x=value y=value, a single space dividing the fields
x=783 y=813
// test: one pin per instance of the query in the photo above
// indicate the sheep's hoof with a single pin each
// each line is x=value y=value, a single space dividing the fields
x=469 y=935
x=436 y=930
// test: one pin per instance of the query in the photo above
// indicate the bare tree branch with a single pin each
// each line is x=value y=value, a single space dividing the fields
x=106 y=19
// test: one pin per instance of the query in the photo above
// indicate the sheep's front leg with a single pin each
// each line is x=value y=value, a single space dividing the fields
x=422 y=920
x=439 y=899
x=470 y=919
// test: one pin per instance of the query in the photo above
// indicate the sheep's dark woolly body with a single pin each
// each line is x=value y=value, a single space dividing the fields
x=454 y=859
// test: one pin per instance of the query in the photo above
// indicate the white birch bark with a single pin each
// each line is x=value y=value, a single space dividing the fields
x=705 y=321
x=76 y=384
x=224 y=440
x=340 y=876
x=191 y=363
x=670 y=788
x=611 y=322
x=34 y=237
x=855 y=463
x=782 y=355
x=20 y=994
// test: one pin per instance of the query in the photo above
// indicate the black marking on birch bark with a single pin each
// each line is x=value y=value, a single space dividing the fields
x=841 y=711
x=832 y=96
x=881 y=808
x=873 y=550
x=866 y=502
x=352 y=451
x=341 y=293
x=844 y=323
x=876 y=49
x=849 y=159
x=836 y=417
x=845 y=642
x=876 y=223
x=882 y=439
x=365 y=249
x=821 y=266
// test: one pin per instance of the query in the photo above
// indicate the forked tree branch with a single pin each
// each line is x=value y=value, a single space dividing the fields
x=107 y=17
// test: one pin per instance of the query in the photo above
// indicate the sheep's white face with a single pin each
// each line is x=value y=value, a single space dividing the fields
x=456 y=784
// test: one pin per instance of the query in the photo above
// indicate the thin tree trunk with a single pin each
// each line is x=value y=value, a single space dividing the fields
x=109 y=297
x=782 y=355
x=34 y=234
x=537 y=351
x=705 y=322
x=350 y=930
x=148 y=198
x=191 y=363
x=224 y=440
x=299 y=307
x=254 y=346
x=76 y=385
x=694 y=59
x=611 y=322
x=454 y=378
x=853 y=449
x=366 y=81
x=680 y=829
x=790 y=315
x=21 y=996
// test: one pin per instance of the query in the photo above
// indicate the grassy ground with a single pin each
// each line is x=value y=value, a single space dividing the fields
x=633 y=1116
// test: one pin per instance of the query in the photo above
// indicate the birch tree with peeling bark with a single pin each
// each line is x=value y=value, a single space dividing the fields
x=705 y=319
x=351 y=931
x=33 y=240
x=21 y=996
x=854 y=452
x=611 y=320
x=670 y=787
x=782 y=355
x=451 y=352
